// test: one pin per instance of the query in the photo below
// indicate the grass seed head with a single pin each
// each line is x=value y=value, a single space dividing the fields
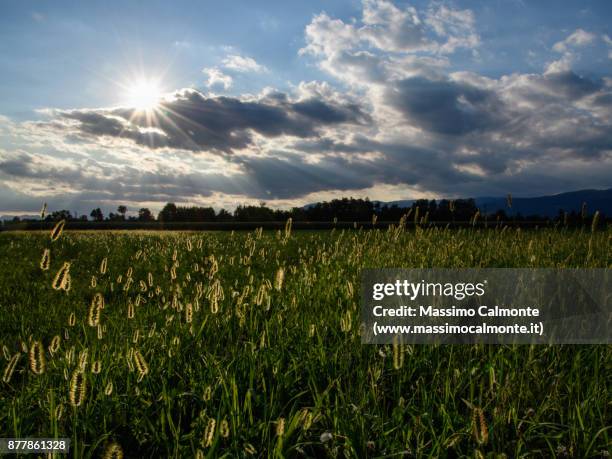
x=10 y=368
x=224 y=429
x=103 y=265
x=37 y=358
x=280 y=278
x=209 y=433
x=59 y=412
x=56 y=232
x=83 y=359
x=62 y=278
x=398 y=352
x=45 y=261
x=280 y=427
x=141 y=364
x=249 y=449
x=113 y=451
x=78 y=388
x=595 y=222
x=479 y=426
x=93 y=318
x=55 y=344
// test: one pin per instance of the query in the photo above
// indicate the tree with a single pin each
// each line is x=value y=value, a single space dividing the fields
x=224 y=216
x=59 y=215
x=97 y=215
x=168 y=213
x=253 y=214
x=122 y=210
x=145 y=215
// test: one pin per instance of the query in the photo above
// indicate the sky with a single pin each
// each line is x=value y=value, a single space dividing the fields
x=288 y=103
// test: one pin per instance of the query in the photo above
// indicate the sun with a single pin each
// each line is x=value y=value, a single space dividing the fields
x=143 y=94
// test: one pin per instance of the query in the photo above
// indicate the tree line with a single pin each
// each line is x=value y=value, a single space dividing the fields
x=344 y=210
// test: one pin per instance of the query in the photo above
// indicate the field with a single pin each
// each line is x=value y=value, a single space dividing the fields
x=247 y=344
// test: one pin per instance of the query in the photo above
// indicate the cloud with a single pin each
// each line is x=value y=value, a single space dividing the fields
x=389 y=42
x=608 y=41
x=568 y=48
x=445 y=106
x=576 y=39
x=194 y=121
x=457 y=26
x=397 y=112
x=389 y=28
x=217 y=78
x=243 y=64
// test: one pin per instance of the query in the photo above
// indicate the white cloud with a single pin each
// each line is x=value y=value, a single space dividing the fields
x=390 y=28
x=563 y=64
x=217 y=78
x=577 y=39
x=326 y=36
x=608 y=41
x=403 y=120
x=243 y=64
x=568 y=49
x=457 y=26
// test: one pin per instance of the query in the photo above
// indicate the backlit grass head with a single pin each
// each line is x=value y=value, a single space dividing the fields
x=45 y=261
x=113 y=451
x=56 y=232
x=61 y=281
x=78 y=388
x=37 y=358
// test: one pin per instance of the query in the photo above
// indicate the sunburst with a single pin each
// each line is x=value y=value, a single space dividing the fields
x=143 y=94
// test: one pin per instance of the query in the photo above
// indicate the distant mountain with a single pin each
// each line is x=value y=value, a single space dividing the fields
x=28 y=217
x=402 y=203
x=546 y=206
x=550 y=206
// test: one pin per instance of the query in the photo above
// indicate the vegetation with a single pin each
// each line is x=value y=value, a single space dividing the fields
x=247 y=345
x=337 y=213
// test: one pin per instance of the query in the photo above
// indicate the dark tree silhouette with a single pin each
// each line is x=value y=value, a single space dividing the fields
x=122 y=211
x=59 y=215
x=145 y=215
x=97 y=215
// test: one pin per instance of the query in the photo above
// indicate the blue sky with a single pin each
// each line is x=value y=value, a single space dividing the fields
x=319 y=100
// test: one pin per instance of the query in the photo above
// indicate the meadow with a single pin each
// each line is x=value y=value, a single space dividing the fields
x=246 y=344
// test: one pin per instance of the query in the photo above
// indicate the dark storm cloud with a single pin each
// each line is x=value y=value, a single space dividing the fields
x=572 y=85
x=99 y=123
x=194 y=121
x=399 y=164
x=279 y=179
x=444 y=106
x=17 y=167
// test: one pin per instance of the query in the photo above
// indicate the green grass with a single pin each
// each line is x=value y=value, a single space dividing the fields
x=271 y=357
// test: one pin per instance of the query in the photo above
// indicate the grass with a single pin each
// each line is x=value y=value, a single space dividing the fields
x=279 y=369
